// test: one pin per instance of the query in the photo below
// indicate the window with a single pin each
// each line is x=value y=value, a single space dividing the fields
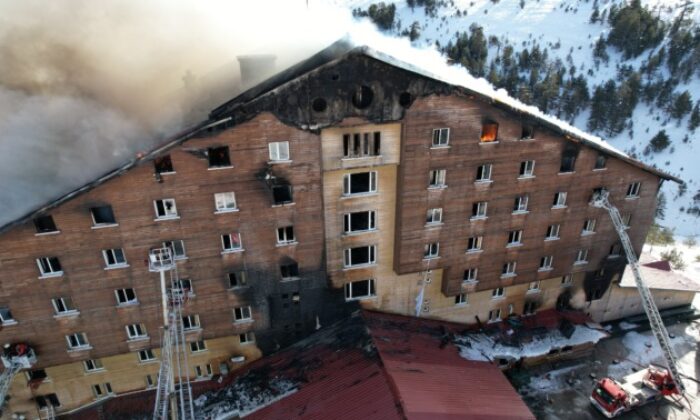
x=479 y=210
x=441 y=137
x=246 y=338
x=515 y=237
x=237 y=279
x=588 y=227
x=615 y=251
x=231 y=242
x=527 y=169
x=282 y=194
x=203 y=372
x=45 y=224
x=196 y=346
x=546 y=263
x=93 y=365
x=225 y=202
x=279 y=151
x=136 y=331
x=533 y=286
x=509 y=269
x=360 y=183
x=633 y=190
x=470 y=275
x=552 y=232
x=437 y=178
x=114 y=258
x=495 y=315
x=177 y=248
x=149 y=381
x=359 y=145
x=361 y=221
x=163 y=165
x=483 y=173
x=474 y=243
x=431 y=250
x=102 y=216
x=559 y=200
x=77 y=341
x=361 y=289
x=567 y=280
x=289 y=270
x=285 y=235
x=102 y=391
x=568 y=158
x=44 y=401
x=63 y=305
x=165 y=209
x=498 y=292
x=527 y=132
x=530 y=307
x=626 y=219
x=359 y=256
x=242 y=313
x=219 y=157
x=433 y=216
x=600 y=162
x=6 y=316
x=182 y=288
x=49 y=266
x=582 y=257
x=126 y=296
x=520 y=205
x=190 y=322
x=146 y=355
x=461 y=299
x=489 y=132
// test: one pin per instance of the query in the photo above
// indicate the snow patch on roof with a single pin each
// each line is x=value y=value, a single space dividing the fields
x=241 y=398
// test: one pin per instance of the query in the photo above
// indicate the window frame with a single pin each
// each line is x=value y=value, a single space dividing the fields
x=440 y=138
x=471 y=275
x=242 y=314
x=241 y=277
x=192 y=323
x=546 y=263
x=509 y=269
x=283 y=234
x=515 y=238
x=597 y=166
x=212 y=166
x=633 y=190
x=41 y=227
x=151 y=357
x=560 y=200
x=136 y=332
x=49 y=263
x=371 y=290
x=113 y=253
x=7 y=319
x=168 y=214
x=231 y=249
x=371 y=254
x=497 y=313
x=63 y=301
x=201 y=345
x=97 y=364
x=372 y=184
x=440 y=178
x=461 y=299
x=274 y=151
x=589 y=227
x=484 y=173
x=247 y=337
x=478 y=208
x=96 y=224
x=431 y=251
x=581 y=257
x=430 y=217
x=225 y=198
x=79 y=337
x=521 y=204
x=554 y=228
x=527 y=169
x=371 y=222
x=498 y=293
x=124 y=292
x=475 y=244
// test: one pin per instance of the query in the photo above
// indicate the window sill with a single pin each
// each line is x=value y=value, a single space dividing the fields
x=509 y=275
x=501 y=297
x=104 y=225
x=578 y=263
x=79 y=349
x=362 y=194
x=462 y=304
x=148 y=362
x=243 y=321
x=434 y=225
x=354 y=267
x=192 y=330
x=51 y=275
x=526 y=139
x=440 y=147
x=519 y=212
x=436 y=187
x=567 y=173
x=565 y=285
x=9 y=323
x=278 y=162
x=484 y=182
x=545 y=270
x=160 y=219
x=93 y=371
x=354 y=299
x=67 y=314
x=613 y=257
x=599 y=169
x=166 y=173
x=477 y=218
x=494 y=321
x=359 y=232
x=232 y=251
x=53 y=232
x=526 y=177
x=489 y=142
x=552 y=238
x=128 y=304
x=514 y=245
x=470 y=282
x=352 y=158
x=473 y=251
x=587 y=233
x=117 y=267
x=235 y=288
x=436 y=257
x=138 y=339
x=634 y=197
x=295 y=278
x=218 y=168
x=247 y=343
x=283 y=244
x=227 y=211
x=557 y=207
x=291 y=203
x=198 y=351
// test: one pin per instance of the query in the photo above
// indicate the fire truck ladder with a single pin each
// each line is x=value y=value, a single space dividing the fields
x=172 y=397
x=6 y=380
x=600 y=200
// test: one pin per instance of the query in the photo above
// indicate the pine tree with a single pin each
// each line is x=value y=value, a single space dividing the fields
x=694 y=121
x=659 y=142
x=682 y=105
x=595 y=16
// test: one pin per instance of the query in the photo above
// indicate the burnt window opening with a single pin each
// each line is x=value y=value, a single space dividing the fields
x=360 y=183
x=359 y=221
x=360 y=289
x=319 y=105
x=361 y=255
x=44 y=401
x=600 y=162
x=405 y=99
x=37 y=375
x=596 y=192
x=362 y=144
x=218 y=157
x=237 y=279
x=163 y=165
x=530 y=307
x=289 y=270
x=362 y=97
x=489 y=132
x=568 y=158
x=103 y=215
x=282 y=194
x=527 y=132
x=563 y=301
x=45 y=224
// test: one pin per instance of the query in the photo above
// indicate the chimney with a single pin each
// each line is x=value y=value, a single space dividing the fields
x=255 y=68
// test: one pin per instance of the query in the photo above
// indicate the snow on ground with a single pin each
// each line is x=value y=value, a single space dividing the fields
x=624 y=325
x=485 y=347
x=690 y=255
x=642 y=350
x=554 y=380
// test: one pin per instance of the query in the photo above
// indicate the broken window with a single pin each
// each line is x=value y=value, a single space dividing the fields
x=77 y=341
x=633 y=190
x=509 y=269
x=103 y=215
x=279 y=151
x=588 y=227
x=615 y=251
x=285 y=235
x=237 y=279
x=461 y=299
x=242 y=313
x=289 y=270
x=527 y=169
x=434 y=216
x=527 y=132
x=231 y=242
x=92 y=365
x=190 y=322
x=515 y=237
x=359 y=256
x=219 y=157
x=582 y=257
x=441 y=137
x=498 y=292
x=165 y=208
x=559 y=200
x=530 y=307
x=246 y=338
x=474 y=243
x=114 y=258
x=282 y=194
x=136 y=331
x=552 y=232
x=489 y=132
x=126 y=296
x=470 y=274
x=225 y=202
x=431 y=250
x=520 y=205
x=568 y=158
x=6 y=316
x=44 y=401
x=361 y=289
x=197 y=346
x=163 y=165
x=49 y=266
x=359 y=145
x=483 y=173
x=45 y=224
x=600 y=162
x=177 y=248
x=359 y=221
x=437 y=178
x=479 y=210
x=495 y=315
x=146 y=355
x=546 y=263
x=360 y=183
x=63 y=305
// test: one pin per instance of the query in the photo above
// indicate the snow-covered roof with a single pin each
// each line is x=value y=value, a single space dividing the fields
x=660 y=280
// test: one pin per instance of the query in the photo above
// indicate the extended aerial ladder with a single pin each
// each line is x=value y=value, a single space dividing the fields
x=171 y=397
x=15 y=357
x=611 y=397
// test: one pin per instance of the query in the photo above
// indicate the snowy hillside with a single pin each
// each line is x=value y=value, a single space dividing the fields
x=562 y=32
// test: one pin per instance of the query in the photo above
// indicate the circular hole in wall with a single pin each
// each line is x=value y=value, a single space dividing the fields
x=362 y=97
x=319 y=105
x=405 y=99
